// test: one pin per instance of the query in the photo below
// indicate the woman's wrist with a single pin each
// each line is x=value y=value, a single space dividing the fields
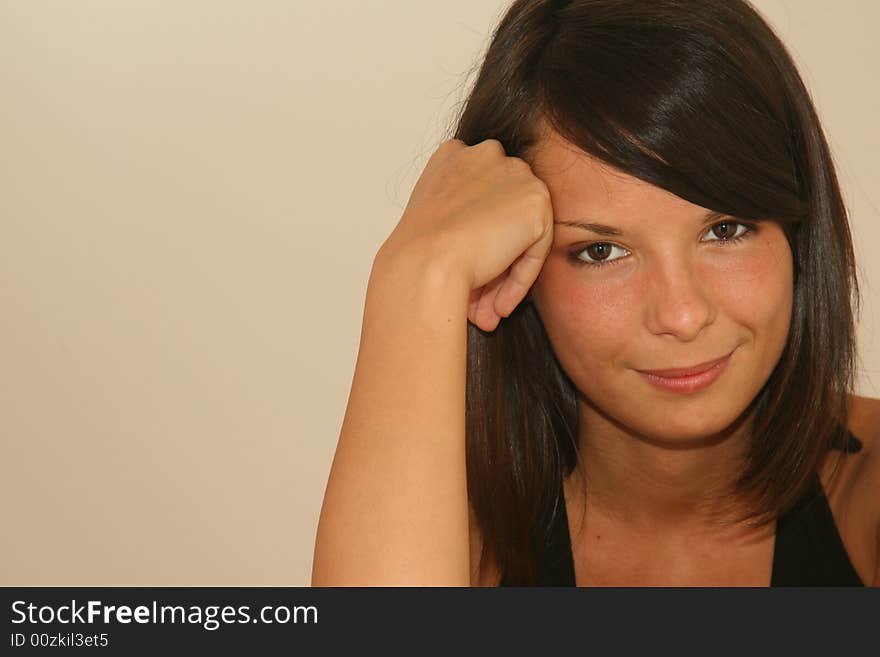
x=428 y=272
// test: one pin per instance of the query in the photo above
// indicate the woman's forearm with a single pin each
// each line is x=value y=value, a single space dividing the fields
x=395 y=509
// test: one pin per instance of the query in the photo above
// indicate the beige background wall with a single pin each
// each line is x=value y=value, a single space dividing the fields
x=191 y=194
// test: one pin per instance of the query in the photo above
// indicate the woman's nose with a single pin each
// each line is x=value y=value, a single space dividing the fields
x=678 y=302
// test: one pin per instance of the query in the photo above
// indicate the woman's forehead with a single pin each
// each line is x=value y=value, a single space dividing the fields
x=582 y=186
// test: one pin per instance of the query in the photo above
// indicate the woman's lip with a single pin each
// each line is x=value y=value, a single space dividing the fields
x=685 y=371
x=688 y=383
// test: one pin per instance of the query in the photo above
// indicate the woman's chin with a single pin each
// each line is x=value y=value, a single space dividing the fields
x=689 y=431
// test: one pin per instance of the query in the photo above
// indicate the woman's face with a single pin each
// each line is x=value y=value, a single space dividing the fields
x=657 y=286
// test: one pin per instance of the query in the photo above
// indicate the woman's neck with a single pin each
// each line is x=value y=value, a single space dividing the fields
x=655 y=485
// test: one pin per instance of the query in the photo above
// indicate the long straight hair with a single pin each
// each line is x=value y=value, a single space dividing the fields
x=699 y=98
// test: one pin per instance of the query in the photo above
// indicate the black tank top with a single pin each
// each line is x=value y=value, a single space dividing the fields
x=808 y=550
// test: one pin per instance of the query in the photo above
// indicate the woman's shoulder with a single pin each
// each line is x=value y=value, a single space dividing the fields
x=864 y=424
x=854 y=492
x=864 y=416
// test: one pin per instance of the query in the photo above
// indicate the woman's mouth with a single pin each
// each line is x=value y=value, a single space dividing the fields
x=687 y=379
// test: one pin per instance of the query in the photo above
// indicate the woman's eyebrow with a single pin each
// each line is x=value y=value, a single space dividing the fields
x=611 y=231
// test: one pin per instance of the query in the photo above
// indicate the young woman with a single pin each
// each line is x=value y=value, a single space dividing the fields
x=639 y=216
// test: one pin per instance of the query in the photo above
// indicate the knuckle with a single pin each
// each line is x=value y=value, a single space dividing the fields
x=490 y=145
x=543 y=205
x=519 y=165
x=541 y=226
x=450 y=145
x=538 y=191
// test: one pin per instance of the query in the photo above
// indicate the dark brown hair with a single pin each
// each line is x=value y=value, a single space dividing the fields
x=700 y=98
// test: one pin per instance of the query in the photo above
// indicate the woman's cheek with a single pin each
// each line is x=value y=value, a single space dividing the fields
x=753 y=284
x=591 y=319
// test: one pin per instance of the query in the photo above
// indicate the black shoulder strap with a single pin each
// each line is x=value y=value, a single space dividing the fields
x=808 y=550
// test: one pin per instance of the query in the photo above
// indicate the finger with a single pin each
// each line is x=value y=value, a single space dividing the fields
x=474 y=304
x=521 y=276
x=487 y=318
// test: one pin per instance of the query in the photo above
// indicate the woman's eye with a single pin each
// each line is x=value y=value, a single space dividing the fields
x=600 y=253
x=724 y=233
x=727 y=230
